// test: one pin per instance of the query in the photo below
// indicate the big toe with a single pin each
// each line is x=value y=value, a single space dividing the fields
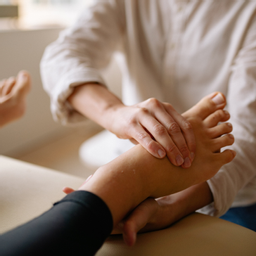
x=207 y=106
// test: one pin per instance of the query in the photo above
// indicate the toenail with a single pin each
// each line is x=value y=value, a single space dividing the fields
x=229 y=124
x=192 y=155
x=231 y=136
x=233 y=152
x=218 y=99
x=226 y=112
x=179 y=160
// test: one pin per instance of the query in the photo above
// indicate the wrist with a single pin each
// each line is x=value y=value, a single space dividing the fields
x=111 y=117
x=189 y=200
x=96 y=102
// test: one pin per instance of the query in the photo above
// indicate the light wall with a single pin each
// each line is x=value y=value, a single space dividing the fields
x=23 y=50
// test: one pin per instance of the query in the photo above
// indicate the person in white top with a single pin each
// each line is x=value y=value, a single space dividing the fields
x=175 y=52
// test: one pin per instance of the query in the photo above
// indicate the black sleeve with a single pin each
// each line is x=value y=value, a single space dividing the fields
x=76 y=225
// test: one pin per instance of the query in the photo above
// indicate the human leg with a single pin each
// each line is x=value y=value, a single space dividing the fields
x=137 y=175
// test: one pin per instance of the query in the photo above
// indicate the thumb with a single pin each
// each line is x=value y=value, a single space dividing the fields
x=138 y=219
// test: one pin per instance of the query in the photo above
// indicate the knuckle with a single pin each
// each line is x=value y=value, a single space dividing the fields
x=142 y=135
x=183 y=149
x=171 y=148
x=153 y=102
x=186 y=125
x=159 y=129
x=143 y=111
x=150 y=145
x=174 y=128
x=168 y=106
x=131 y=122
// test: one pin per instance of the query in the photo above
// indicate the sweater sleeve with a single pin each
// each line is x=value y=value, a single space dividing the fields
x=76 y=225
x=79 y=54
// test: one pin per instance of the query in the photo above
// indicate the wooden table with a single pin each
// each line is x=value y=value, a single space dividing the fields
x=27 y=190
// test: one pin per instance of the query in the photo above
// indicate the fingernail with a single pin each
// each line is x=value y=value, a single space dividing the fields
x=218 y=99
x=179 y=160
x=192 y=155
x=161 y=153
x=24 y=77
x=229 y=124
x=187 y=162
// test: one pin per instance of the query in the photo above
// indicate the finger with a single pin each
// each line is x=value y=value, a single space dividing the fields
x=68 y=190
x=188 y=147
x=2 y=83
x=143 y=137
x=135 y=142
x=10 y=82
x=223 y=141
x=157 y=121
x=23 y=83
x=166 y=131
x=118 y=229
x=216 y=117
x=138 y=219
x=219 y=130
x=161 y=135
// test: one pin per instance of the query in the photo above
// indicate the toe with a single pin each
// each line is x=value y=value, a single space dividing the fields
x=220 y=130
x=225 y=157
x=216 y=117
x=207 y=106
x=221 y=142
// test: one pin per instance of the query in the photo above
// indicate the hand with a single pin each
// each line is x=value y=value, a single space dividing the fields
x=151 y=214
x=13 y=92
x=160 y=213
x=159 y=128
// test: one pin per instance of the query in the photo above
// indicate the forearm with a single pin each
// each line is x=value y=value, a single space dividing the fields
x=172 y=208
x=189 y=200
x=95 y=102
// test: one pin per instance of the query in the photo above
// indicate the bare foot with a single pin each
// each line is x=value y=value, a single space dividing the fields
x=204 y=118
x=210 y=138
x=13 y=92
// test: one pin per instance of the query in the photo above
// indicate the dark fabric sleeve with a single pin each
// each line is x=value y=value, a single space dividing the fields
x=76 y=225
